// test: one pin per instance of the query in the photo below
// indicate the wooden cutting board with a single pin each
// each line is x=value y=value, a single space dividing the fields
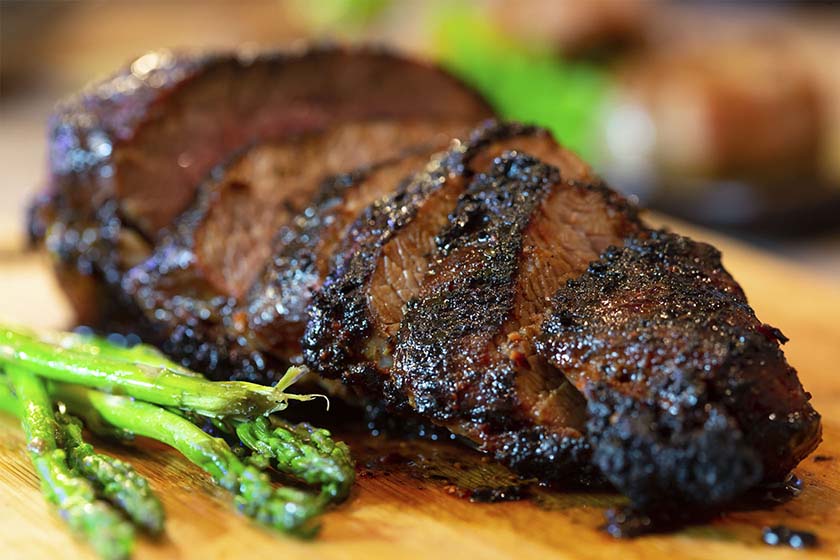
x=407 y=513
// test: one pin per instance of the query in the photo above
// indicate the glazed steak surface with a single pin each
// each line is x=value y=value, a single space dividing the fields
x=437 y=292
x=303 y=251
x=690 y=397
x=195 y=291
x=127 y=154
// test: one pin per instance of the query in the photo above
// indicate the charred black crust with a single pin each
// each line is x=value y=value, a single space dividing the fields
x=497 y=206
x=488 y=220
x=214 y=351
x=85 y=220
x=661 y=460
x=534 y=452
x=674 y=415
x=291 y=278
x=444 y=357
x=338 y=316
x=201 y=329
x=339 y=320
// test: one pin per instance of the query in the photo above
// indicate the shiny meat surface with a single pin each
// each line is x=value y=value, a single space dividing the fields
x=492 y=285
x=128 y=153
x=218 y=273
x=437 y=293
x=690 y=398
x=303 y=252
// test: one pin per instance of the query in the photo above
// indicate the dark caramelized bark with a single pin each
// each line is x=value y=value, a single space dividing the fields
x=204 y=283
x=128 y=153
x=279 y=301
x=446 y=336
x=469 y=258
x=690 y=397
x=423 y=284
x=465 y=354
x=340 y=323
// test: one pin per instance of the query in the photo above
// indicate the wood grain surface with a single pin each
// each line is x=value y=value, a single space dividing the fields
x=396 y=513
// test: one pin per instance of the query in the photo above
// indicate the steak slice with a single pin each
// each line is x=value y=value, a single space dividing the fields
x=437 y=292
x=690 y=397
x=128 y=153
x=194 y=290
x=279 y=301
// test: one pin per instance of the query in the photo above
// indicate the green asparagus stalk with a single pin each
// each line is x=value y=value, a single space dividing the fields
x=154 y=383
x=285 y=509
x=108 y=533
x=8 y=402
x=114 y=480
x=93 y=421
x=97 y=346
x=307 y=453
x=179 y=401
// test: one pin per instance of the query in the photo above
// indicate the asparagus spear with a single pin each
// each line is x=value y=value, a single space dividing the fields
x=151 y=382
x=285 y=509
x=114 y=480
x=98 y=346
x=8 y=403
x=303 y=451
x=108 y=533
x=142 y=372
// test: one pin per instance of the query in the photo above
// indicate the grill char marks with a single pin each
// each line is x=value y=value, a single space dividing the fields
x=422 y=284
x=128 y=153
x=338 y=319
x=690 y=397
x=469 y=259
x=278 y=304
x=341 y=327
x=446 y=338
x=465 y=350
x=192 y=291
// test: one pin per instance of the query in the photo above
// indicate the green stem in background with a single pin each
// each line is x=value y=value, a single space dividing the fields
x=285 y=509
x=114 y=480
x=351 y=15
x=522 y=82
x=107 y=532
x=307 y=453
x=154 y=383
x=8 y=402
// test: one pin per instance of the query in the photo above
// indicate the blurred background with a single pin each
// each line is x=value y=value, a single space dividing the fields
x=725 y=114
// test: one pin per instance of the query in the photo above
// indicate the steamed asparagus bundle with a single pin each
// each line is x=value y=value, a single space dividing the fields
x=283 y=508
x=85 y=512
x=143 y=375
x=115 y=480
x=122 y=392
